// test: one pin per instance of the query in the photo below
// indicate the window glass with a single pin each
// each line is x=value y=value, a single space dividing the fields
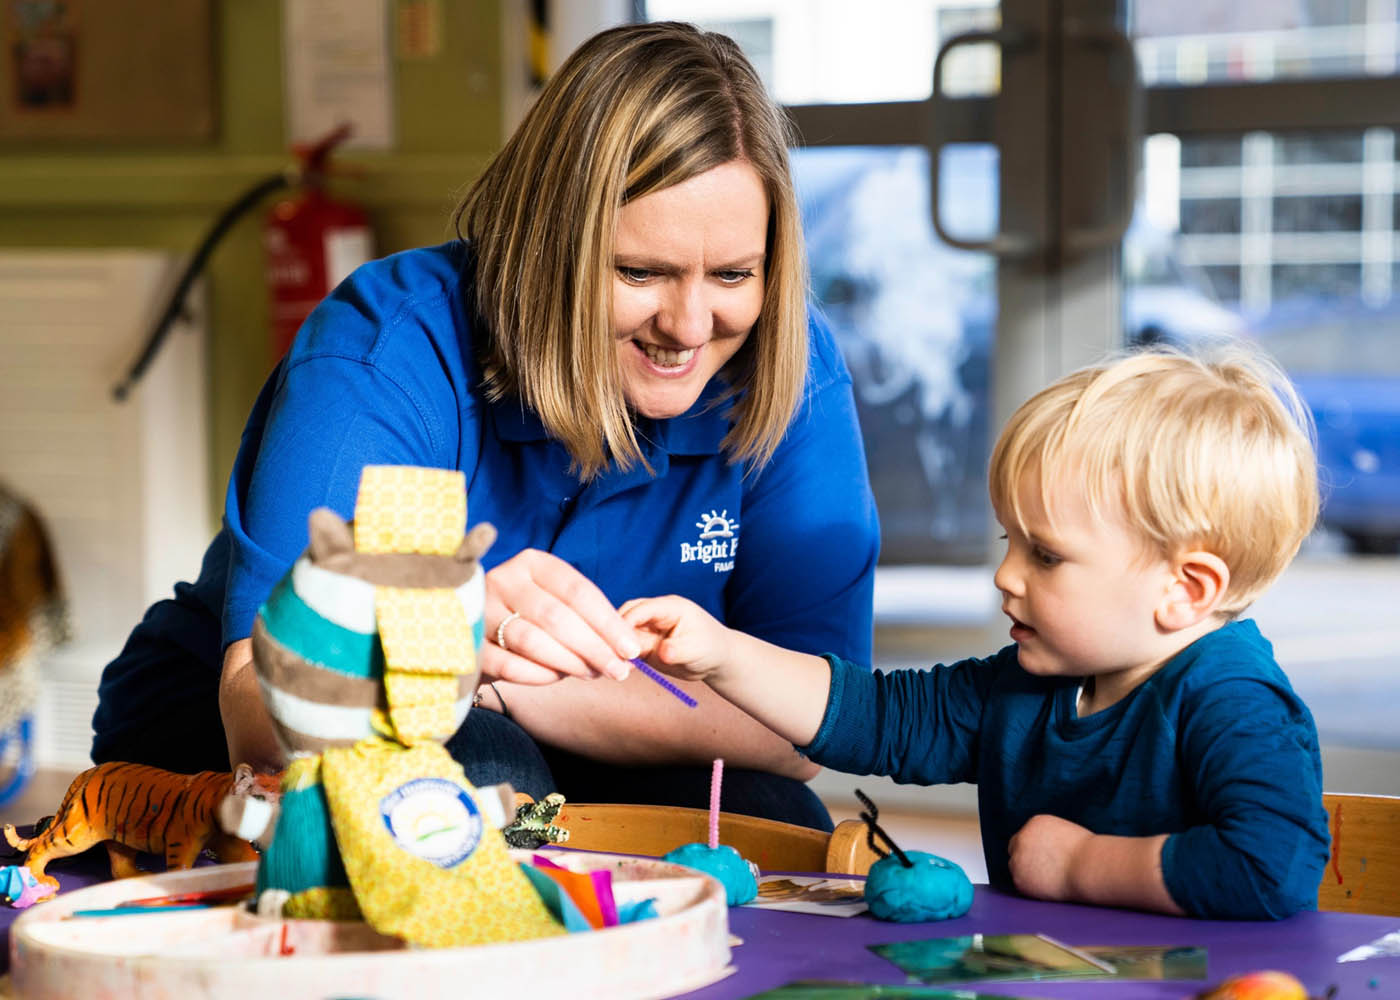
x=915 y=321
x=1289 y=241
x=839 y=52
x=1215 y=41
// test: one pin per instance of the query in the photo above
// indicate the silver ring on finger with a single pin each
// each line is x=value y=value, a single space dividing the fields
x=501 y=629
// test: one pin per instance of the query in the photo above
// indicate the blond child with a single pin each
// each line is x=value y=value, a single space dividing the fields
x=1137 y=745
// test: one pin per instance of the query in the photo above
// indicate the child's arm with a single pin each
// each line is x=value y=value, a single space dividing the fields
x=1052 y=858
x=784 y=690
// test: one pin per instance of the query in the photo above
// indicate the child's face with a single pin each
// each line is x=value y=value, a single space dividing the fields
x=1081 y=592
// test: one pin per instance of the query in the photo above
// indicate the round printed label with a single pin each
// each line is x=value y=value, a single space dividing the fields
x=433 y=819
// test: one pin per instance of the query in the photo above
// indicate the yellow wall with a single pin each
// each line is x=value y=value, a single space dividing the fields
x=165 y=196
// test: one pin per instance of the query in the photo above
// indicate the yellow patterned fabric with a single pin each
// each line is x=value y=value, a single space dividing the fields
x=322 y=903
x=403 y=508
x=424 y=629
x=427 y=643
x=414 y=723
x=423 y=862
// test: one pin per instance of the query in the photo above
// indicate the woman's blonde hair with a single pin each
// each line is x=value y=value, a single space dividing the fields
x=1212 y=452
x=634 y=110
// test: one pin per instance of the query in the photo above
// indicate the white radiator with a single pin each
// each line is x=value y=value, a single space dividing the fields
x=121 y=487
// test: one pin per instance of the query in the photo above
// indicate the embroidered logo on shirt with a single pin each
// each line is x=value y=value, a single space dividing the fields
x=719 y=541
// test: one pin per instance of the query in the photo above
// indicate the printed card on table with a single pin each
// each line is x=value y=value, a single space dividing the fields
x=818 y=990
x=827 y=897
x=1151 y=961
x=983 y=957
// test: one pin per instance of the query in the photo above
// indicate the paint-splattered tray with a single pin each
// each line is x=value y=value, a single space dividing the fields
x=227 y=952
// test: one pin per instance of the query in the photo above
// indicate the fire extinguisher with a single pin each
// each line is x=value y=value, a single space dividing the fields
x=312 y=242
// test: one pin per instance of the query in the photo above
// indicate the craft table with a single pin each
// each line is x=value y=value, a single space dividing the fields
x=780 y=947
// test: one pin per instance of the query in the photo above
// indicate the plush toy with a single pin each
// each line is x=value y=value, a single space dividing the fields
x=131 y=808
x=366 y=655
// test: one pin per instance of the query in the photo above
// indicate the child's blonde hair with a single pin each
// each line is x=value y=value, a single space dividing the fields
x=1211 y=452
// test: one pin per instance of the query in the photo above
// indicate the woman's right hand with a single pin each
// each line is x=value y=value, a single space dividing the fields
x=545 y=620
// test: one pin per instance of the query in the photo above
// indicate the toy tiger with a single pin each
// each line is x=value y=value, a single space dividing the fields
x=133 y=808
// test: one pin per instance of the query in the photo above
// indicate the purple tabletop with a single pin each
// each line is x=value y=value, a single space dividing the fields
x=780 y=947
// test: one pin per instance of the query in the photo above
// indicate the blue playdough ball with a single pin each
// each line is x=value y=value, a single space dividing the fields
x=724 y=863
x=933 y=889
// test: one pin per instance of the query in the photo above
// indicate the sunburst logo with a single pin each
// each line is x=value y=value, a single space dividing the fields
x=716 y=525
x=717 y=544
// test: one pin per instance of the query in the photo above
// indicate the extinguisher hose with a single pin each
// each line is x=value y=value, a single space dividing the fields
x=235 y=210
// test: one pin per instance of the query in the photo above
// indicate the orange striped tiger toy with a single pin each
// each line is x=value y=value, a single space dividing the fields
x=132 y=808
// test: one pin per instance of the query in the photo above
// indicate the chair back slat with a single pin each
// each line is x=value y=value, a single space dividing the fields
x=1363 y=873
x=773 y=846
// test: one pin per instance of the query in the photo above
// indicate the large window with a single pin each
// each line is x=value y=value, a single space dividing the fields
x=1224 y=169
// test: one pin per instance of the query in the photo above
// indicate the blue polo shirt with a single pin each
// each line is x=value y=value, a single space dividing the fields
x=385 y=372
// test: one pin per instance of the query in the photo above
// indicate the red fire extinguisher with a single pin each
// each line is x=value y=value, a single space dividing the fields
x=312 y=242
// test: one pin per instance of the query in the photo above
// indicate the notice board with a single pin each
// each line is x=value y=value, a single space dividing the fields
x=107 y=70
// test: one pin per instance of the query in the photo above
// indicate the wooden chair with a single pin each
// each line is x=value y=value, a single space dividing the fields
x=1363 y=874
x=773 y=846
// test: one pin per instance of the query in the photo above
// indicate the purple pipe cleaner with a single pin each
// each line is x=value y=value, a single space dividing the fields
x=642 y=665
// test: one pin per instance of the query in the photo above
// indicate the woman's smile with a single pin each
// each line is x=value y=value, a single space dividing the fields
x=668 y=361
x=688 y=284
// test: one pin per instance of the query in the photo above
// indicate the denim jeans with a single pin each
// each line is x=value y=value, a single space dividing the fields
x=491 y=748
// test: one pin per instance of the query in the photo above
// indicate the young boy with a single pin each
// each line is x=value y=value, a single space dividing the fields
x=1137 y=745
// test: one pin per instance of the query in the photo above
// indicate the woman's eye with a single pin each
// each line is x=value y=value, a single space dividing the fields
x=734 y=276
x=634 y=275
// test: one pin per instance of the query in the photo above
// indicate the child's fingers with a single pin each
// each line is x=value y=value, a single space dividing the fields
x=660 y=614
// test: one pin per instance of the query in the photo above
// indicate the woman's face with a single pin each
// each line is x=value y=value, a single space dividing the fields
x=687 y=284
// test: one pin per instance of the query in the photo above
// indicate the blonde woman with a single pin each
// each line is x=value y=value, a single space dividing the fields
x=619 y=355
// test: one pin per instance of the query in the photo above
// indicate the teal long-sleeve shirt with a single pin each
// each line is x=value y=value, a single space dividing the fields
x=1215 y=749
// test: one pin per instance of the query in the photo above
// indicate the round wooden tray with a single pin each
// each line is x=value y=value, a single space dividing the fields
x=225 y=951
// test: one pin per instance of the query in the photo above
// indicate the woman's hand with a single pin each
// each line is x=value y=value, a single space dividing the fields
x=679 y=636
x=545 y=620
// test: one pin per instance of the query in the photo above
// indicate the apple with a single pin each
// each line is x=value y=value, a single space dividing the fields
x=1267 y=985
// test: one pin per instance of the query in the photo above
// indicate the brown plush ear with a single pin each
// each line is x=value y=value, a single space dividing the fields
x=244 y=780
x=329 y=534
x=476 y=542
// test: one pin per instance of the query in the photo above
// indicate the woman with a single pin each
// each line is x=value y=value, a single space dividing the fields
x=618 y=356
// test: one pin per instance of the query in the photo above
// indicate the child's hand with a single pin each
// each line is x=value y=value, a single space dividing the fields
x=678 y=636
x=1043 y=855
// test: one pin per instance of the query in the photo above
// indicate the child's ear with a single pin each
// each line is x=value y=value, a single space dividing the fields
x=1199 y=582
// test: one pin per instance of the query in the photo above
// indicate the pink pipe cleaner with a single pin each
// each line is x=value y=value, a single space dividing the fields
x=716 y=776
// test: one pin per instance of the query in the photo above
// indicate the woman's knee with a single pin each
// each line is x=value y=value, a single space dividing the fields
x=493 y=749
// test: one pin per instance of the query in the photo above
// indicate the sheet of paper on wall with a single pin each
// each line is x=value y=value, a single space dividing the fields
x=337 y=68
x=827 y=897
